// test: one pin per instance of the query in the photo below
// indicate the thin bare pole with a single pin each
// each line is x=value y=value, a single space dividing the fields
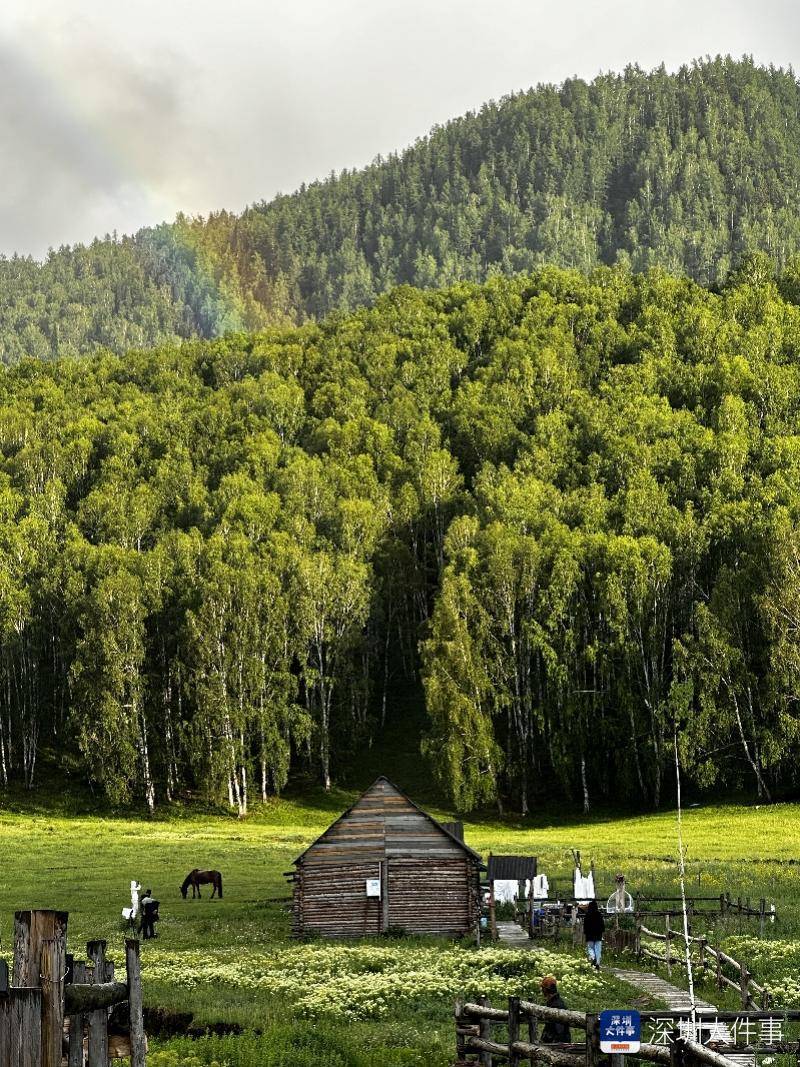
x=682 y=872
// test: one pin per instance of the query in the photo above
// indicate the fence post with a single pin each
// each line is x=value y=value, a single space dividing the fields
x=762 y=910
x=30 y=929
x=5 y=1026
x=98 y=1020
x=25 y=1038
x=668 y=944
x=637 y=944
x=484 y=1031
x=592 y=1041
x=719 y=970
x=533 y=1035
x=513 y=1030
x=744 y=981
x=53 y=971
x=138 y=1041
x=75 y=1058
x=461 y=1048
x=703 y=962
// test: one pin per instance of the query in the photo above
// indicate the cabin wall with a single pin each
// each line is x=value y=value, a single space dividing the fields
x=331 y=901
x=432 y=896
x=423 y=897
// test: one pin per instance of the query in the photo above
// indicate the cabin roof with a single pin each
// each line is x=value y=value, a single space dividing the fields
x=511 y=868
x=374 y=788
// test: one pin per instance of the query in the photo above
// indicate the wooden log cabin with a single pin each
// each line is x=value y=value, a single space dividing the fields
x=386 y=864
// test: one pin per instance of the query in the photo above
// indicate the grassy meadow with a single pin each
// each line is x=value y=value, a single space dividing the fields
x=231 y=962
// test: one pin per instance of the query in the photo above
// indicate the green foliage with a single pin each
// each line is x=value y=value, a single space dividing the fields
x=566 y=504
x=688 y=172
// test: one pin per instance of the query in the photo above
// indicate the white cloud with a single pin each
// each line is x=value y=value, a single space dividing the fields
x=121 y=112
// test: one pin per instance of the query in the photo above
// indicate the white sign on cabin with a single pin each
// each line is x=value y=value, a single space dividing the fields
x=373 y=887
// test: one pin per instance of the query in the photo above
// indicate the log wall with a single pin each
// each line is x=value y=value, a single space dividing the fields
x=429 y=879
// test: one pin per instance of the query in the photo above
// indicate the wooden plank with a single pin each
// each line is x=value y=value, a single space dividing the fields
x=75 y=1055
x=53 y=971
x=26 y=1027
x=5 y=1029
x=98 y=1020
x=138 y=1041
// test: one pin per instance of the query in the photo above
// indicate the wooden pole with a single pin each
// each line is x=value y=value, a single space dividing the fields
x=138 y=1040
x=75 y=1057
x=513 y=1030
x=30 y=929
x=533 y=1035
x=98 y=1020
x=744 y=981
x=53 y=972
x=492 y=915
x=5 y=1027
x=25 y=1031
x=461 y=1048
x=592 y=1041
x=668 y=944
x=484 y=1031
x=762 y=910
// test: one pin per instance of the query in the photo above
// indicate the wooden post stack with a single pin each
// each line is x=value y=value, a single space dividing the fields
x=51 y=994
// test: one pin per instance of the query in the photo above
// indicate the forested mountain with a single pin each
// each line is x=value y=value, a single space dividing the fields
x=568 y=502
x=686 y=171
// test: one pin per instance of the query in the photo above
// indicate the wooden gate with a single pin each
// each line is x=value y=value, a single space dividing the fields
x=56 y=1010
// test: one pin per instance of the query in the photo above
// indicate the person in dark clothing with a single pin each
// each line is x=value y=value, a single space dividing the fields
x=593 y=928
x=553 y=1032
x=149 y=914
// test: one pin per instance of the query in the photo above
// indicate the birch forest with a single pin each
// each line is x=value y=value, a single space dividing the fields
x=561 y=510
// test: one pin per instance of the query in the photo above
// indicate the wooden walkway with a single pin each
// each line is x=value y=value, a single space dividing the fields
x=514 y=936
x=675 y=999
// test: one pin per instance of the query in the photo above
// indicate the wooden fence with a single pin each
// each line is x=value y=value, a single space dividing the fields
x=56 y=1010
x=722 y=906
x=477 y=1044
x=556 y=919
x=704 y=958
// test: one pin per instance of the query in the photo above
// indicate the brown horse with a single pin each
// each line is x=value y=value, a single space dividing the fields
x=197 y=878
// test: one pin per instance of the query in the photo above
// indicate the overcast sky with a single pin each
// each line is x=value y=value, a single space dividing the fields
x=119 y=113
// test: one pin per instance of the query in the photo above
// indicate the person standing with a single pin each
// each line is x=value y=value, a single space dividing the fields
x=149 y=914
x=554 y=1032
x=593 y=929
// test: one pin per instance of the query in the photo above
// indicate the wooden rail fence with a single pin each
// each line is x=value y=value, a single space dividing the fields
x=55 y=1011
x=476 y=1043
x=706 y=958
x=563 y=917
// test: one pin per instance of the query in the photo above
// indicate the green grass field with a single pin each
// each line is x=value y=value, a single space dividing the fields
x=377 y=1003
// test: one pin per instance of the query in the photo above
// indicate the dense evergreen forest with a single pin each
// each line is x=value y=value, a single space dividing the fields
x=686 y=171
x=567 y=502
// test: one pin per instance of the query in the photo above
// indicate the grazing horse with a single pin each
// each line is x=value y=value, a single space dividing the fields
x=197 y=878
